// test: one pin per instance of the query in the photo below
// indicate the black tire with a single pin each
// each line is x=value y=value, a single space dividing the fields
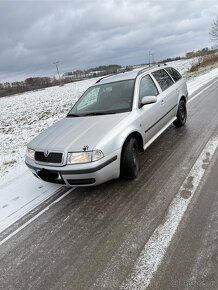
x=181 y=114
x=129 y=166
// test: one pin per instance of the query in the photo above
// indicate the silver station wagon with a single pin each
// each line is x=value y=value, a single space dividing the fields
x=112 y=122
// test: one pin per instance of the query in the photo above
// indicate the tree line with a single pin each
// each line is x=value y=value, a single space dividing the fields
x=37 y=83
x=32 y=83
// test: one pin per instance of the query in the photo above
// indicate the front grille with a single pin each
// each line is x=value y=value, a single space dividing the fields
x=52 y=157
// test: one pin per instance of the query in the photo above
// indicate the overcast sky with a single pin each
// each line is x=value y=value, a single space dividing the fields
x=89 y=33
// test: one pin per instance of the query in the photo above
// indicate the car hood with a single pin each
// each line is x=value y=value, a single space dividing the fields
x=73 y=133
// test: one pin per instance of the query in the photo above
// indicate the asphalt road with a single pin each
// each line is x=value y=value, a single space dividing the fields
x=92 y=238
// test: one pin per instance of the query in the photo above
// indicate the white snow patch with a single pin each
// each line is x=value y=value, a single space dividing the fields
x=200 y=81
x=35 y=217
x=16 y=201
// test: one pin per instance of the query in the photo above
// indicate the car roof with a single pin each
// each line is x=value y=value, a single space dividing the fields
x=129 y=75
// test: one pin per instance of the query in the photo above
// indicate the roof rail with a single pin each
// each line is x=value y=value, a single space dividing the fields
x=107 y=76
x=146 y=69
x=150 y=67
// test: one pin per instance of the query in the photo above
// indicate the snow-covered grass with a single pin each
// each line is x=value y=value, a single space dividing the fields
x=183 y=65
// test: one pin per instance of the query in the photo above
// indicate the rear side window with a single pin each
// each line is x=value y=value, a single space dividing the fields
x=163 y=79
x=147 y=88
x=174 y=73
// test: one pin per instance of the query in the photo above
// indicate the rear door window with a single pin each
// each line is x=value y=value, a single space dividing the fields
x=174 y=73
x=163 y=79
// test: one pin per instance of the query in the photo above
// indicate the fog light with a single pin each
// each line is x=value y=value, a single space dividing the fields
x=30 y=153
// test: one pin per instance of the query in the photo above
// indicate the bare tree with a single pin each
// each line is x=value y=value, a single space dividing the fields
x=214 y=30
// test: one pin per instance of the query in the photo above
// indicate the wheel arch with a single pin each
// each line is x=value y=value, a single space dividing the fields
x=128 y=167
x=183 y=98
x=138 y=138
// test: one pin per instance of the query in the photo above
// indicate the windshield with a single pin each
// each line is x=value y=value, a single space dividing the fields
x=102 y=99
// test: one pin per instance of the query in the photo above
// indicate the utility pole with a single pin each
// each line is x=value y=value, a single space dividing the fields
x=56 y=64
x=149 y=58
x=150 y=54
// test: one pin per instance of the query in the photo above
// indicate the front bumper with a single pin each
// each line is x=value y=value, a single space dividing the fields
x=88 y=174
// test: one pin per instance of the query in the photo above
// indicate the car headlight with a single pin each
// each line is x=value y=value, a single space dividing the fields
x=84 y=157
x=30 y=153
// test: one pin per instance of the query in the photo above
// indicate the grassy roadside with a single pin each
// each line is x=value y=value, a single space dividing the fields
x=204 y=64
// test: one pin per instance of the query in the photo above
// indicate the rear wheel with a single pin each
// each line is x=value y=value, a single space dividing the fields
x=181 y=114
x=130 y=159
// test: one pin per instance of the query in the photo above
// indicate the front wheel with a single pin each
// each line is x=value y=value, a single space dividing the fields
x=129 y=159
x=181 y=114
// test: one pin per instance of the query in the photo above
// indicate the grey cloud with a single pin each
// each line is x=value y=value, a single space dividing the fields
x=81 y=34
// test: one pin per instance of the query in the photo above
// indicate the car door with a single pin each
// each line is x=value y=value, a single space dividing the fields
x=150 y=113
x=169 y=96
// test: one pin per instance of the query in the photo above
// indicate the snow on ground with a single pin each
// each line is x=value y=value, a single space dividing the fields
x=20 y=197
x=23 y=117
x=195 y=83
x=183 y=65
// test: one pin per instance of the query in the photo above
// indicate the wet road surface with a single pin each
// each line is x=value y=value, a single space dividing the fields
x=92 y=238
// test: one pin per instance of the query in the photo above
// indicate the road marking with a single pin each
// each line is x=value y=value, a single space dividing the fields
x=199 y=93
x=36 y=216
x=155 y=249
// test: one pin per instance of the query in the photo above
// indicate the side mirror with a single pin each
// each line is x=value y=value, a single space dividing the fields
x=148 y=100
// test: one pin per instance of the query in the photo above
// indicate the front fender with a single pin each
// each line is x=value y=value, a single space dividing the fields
x=115 y=139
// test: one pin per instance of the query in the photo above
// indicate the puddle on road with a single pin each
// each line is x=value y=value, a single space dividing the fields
x=185 y=193
x=187 y=188
x=189 y=183
x=207 y=159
